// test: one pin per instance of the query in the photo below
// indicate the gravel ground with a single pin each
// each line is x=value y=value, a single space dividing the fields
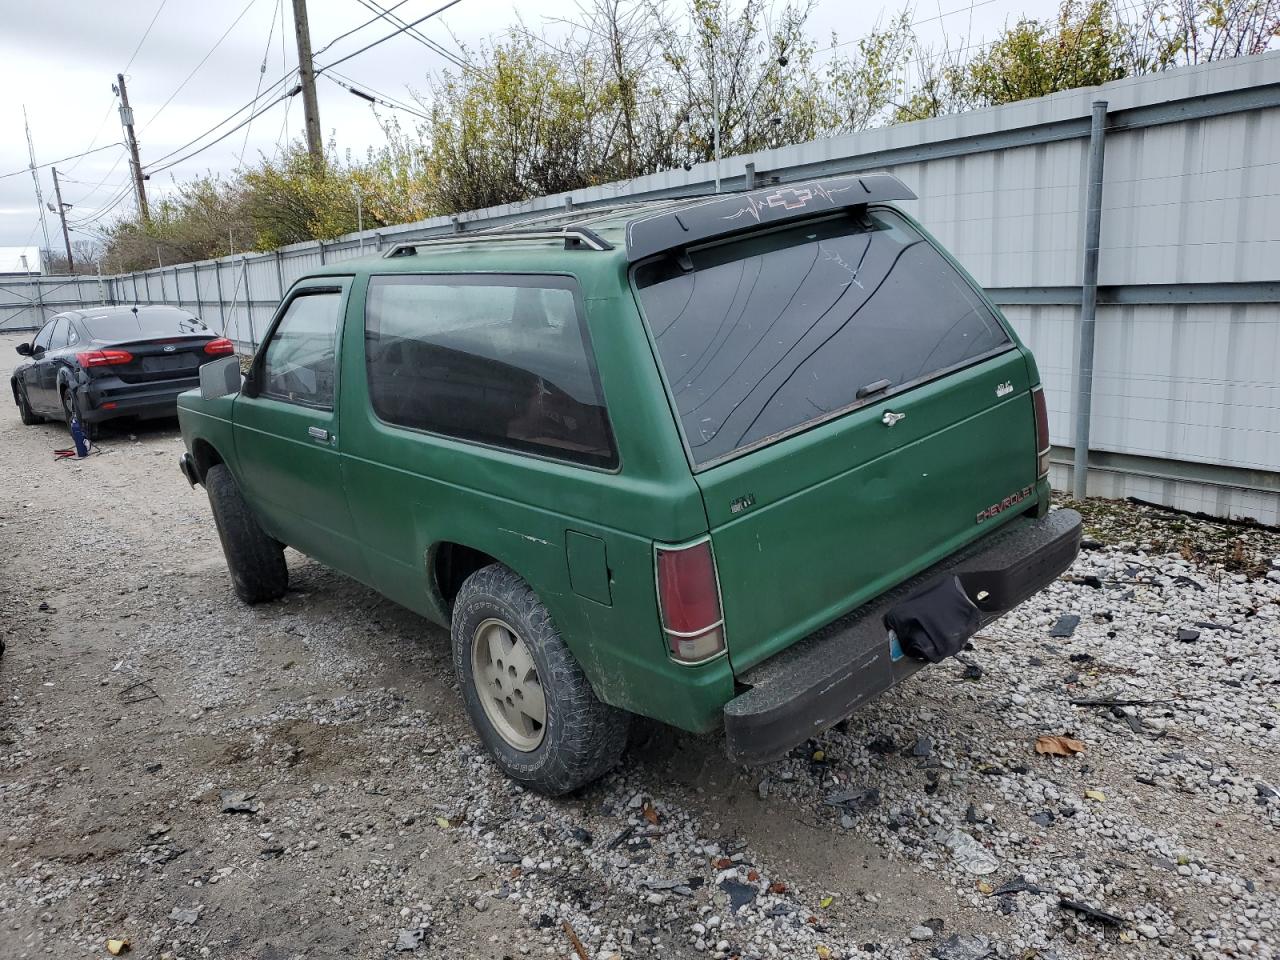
x=299 y=780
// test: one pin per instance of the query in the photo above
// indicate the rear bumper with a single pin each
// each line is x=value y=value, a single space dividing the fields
x=823 y=678
x=155 y=399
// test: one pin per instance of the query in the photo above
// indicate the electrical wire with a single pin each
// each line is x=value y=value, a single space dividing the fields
x=262 y=72
x=146 y=33
x=26 y=171
x=392 y=101
x=364 y=95
x=417 y=35
x=369 y=46
x=247 y=120
x=203 y=61
x=343 y=36
x=246 y=106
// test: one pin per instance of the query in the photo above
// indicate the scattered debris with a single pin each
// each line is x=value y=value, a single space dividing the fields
x=1065 y=626
x=739 y=893
x=963 y=946
x=1058 y=746
x=117 y=947
x=573 y=940
x=236 y=801
x=185 y=915
x=408 y=940
x=970 y=854
x=1188 y=635
x=1091 y=913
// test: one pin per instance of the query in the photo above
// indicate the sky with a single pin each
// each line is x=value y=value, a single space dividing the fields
x=189 y=64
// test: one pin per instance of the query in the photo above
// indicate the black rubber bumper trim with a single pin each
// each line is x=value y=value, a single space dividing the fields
x=187 y=464
x=825 y=677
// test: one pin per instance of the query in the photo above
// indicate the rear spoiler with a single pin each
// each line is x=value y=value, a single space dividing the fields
x=734 y=213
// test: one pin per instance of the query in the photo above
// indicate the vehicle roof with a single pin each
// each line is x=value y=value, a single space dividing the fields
x=106 y=312
x=633 y=230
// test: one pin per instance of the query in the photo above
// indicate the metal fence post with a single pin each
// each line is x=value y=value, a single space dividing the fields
x=280 y=274
x=222 y=308
x=1089 y=301
x=248 y=303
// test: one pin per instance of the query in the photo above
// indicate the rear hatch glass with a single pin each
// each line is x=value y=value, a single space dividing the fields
x=766 y=335
x=818 y=499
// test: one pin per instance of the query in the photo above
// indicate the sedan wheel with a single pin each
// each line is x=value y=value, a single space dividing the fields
x=70 y=409
x=506 y=681
x=29 y=417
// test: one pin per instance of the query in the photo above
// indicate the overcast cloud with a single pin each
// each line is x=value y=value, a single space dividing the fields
x=60 y=57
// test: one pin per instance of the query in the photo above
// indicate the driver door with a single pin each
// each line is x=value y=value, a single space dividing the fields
x=286 y=420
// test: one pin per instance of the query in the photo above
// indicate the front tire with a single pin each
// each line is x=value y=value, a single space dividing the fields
x=29 y=417
x=254 y=560
x=526 y=696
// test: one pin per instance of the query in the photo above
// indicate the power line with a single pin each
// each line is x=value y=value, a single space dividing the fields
x=416 y=34
x=235 y=113
x=26 y=170
x=146 y=33
x=343 y=36
x=364 y=95
x=917 y=23
x=262 y=72
x=247 y=120
x=202 y=62
x=370 y=46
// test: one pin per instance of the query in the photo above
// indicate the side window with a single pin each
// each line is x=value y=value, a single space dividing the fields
x=499 y=360
x=58 y=339
x=72 y=336
x=298 y=363
x=41 y=341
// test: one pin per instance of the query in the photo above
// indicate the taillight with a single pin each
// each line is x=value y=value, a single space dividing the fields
x=1042 y=432
x=220 y=347
x=689 y=599
x=103 y=358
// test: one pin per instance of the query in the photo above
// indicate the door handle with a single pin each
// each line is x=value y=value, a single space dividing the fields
x=318 y=433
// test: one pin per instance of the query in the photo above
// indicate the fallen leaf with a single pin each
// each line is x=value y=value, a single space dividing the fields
x=442 y=823
x=985 y=888
x=650 y=814
x=826 y=902
x=1058 y=746
x=1095 y=795
x=117 y=947
x=824 y=953
x=778 y=887
x=752 y=876
x=819 y=755
x=722 y=863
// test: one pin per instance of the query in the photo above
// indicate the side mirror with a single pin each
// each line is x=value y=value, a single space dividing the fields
x=220 y=378
x=24 y=349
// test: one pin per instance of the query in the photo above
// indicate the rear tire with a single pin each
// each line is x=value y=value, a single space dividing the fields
x=29 y=417
x=580 y=737
x=71 y=408
x=254 y=560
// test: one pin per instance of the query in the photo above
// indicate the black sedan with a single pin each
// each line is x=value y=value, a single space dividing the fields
x=106 y=362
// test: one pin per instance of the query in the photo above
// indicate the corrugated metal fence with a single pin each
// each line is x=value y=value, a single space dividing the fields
x=1186 y=396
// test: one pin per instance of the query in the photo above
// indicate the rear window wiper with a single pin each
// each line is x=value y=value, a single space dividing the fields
x=871 y=389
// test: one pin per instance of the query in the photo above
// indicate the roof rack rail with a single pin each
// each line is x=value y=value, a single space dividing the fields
x=575 y=238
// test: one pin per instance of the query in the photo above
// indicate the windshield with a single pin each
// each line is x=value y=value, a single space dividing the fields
x=763 y=335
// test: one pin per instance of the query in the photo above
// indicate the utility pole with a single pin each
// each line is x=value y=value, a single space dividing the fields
x=126 y=119
x=62 y=215
x=307 y=73
x=35 y=176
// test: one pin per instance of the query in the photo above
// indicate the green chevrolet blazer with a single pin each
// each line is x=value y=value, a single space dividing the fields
x=735 y=463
